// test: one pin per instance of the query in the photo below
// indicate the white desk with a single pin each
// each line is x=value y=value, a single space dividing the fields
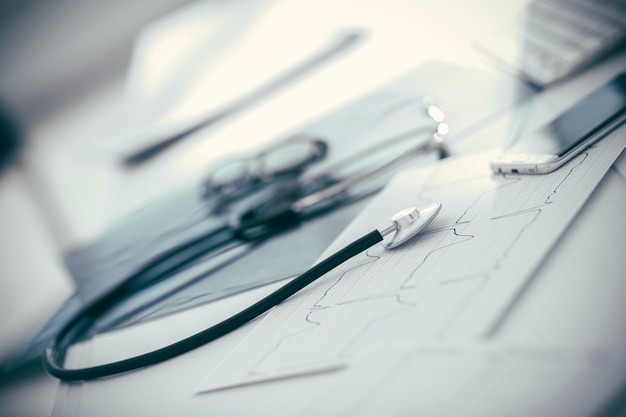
x=576 y=298
x=404 y=36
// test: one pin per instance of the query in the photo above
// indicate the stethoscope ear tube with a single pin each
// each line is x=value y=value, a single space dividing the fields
x=54 y=355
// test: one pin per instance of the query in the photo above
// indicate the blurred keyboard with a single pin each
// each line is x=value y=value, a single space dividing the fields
x=554 y=38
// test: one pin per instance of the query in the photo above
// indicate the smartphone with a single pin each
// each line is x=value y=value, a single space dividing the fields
x=573 y=131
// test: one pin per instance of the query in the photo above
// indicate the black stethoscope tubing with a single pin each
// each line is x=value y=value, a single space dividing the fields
x=55 y=353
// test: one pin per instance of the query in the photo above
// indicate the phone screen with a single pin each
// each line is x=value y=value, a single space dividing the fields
x=578 y=123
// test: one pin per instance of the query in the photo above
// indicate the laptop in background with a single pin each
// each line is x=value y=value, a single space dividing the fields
x=552 y=39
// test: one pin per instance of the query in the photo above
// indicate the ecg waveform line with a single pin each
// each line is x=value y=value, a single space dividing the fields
x=317 y=306
x=400 y=294
x=498 y=221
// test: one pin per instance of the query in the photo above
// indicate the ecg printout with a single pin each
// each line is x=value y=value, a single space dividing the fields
x=450 y=285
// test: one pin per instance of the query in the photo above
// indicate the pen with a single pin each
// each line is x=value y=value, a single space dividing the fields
x=159 y=141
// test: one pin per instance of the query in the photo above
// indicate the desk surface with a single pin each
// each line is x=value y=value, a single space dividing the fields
x=575 y=299
x=78 y=202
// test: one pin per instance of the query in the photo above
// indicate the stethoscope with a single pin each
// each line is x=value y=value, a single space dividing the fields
x=405 y=225
x=274 y=215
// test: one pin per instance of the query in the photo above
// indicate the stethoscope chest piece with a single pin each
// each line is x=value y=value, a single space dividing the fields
x=408 y=223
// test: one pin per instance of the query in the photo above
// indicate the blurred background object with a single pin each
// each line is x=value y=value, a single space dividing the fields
x=554 y=39
x=53 y=52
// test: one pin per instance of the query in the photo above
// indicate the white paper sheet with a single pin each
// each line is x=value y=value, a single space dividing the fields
x=451 y=285
x=497 y=380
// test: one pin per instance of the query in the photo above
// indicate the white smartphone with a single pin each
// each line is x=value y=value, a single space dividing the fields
x=573 y=131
